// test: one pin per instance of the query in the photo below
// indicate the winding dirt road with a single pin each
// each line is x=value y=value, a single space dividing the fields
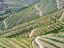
x=58 y=4
x=36 y=39
x=61 y=17
x=40 y=12
x=32 y=32
x=5 y=23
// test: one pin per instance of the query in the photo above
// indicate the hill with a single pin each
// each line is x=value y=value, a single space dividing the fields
x=33 y=10
x=32 y=24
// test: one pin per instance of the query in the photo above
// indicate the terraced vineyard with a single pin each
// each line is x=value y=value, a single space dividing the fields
x=32 y=13
x=21 y=16
x=54 y=28
x=15 y=42
x=47 y=6
x=20 y=29
x=39 y=24
x=52 y=42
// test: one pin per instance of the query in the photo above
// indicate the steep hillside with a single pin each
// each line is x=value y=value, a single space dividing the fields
x=47 y=6
x=15 y=43
x=32 y=24
x=50 y=41
x=31 y=12
x=23 y=30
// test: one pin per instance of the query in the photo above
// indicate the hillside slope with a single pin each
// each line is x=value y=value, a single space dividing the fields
x=31 y=12
x=39 y=24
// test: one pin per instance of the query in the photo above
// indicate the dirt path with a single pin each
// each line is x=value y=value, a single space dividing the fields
x=61 y=17
x=58 y=4
x=5 y=23
x=32 y=32
x=40 y=12
x=38 y=42
x=36 y=39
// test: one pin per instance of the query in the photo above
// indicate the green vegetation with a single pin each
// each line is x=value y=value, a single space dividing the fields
x=15 y=42
x=26 y=28
x=36 y=22
x=53 y=41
